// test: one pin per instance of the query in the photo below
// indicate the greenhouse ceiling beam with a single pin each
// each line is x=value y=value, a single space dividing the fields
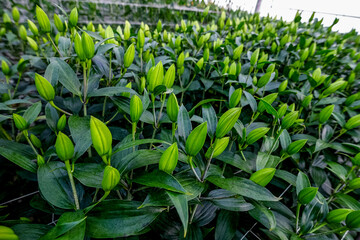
x=123 y=22
x=327 y=13
x=159 y=6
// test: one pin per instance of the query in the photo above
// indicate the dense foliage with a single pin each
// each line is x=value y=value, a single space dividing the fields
x=242 y=128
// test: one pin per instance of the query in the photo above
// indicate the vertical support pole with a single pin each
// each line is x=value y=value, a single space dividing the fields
x=258 y=5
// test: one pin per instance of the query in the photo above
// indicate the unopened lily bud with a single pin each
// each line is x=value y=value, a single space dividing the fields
x=354 y=184
x=159 y=26
x=178 y=42
x=338 y=215
x=169 y=159
x=15 y=14
x=353 y=122
x=61 y=124
x=180 y=60
x=40 y=160
x=263 y=176
x=333 y=88
x=264 y=79
x=181 y=71
x=235 y=98
x=20 y=122
x=312 y=49
x=43 y=20
x=353 y=220
x=307 y=100
x=109 y=33
x=326 y=113
x=6 y=18
x=199 y=65
x=127 y=94
x=59 y=23
x=64 y=147
x=22 y=32
x=196 y=139
x=129 y=56
x=136 y=108
x=307 y=194
x=35 y=141
x=217 y=148
x=2 y=31
x=270 y=68
x=5 y=68
x=296 y=146
x=206 y=54
x=142 y=84
x=206 y=11
x=127 y=30
x=304 y=55
x=254 y=57
x=227 y=121
x=351 y=78
x=88 y=45
x=101 y=137
x=7 y=233
x=111 y=178
x=141 y=38
x=282 y=110
x=33 y=27
x=289 y=119
x=79 y=48
x=90 y=27
x=170 y=76
x=283 y=85
x=238 y=51
x=356 y=160
x=232 y=69
x=269 y=99
x=183 y=25
x=172 y=108
x=156 y=77
x=73 y=18
x=256 y=134
x=32 y=44
x=44 y=88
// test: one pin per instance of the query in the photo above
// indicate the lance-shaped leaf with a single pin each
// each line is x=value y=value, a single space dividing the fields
x=326 y=113
x=296 y=146
x=256 y=134
x=307 y=194
x=263 y=176
x=338 y=215
x=217 y=148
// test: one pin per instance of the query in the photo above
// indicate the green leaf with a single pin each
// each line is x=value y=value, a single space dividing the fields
x=89 y=174
x=52 y=116
x=244 y=187
x=180 y=202
x=20 y=154
x=70 y=225
x=264 y=215
x=119 y=218
x=123 y=146
x=80 y=133
x=184 y=123
x=30 y=231
x=67 y=76
x=229 y=201
x=269 y=109
x=226 y=225
x=111 y=91
x=192 y=111
x=338 y=170
x=54 y=185
x=32 y=112
x=209 y=116
x=302 y=181
x=160 y=179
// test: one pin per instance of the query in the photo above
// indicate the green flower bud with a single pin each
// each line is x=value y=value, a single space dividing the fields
x=338 y=215
x=326 y=113
x=111 y=178
x=170 y=76
x=196 y=140
x=169 y=159
x=79 y=48
x=156 y=77
x=73 y=18
x=206 y=11
x=7 y=233
x=353 y=220
x=227 y=122
x=256 y=134
x=127 y=30
x=206 y=54
x=307 y=100
x=6 y=18
x=129 y=56
x=312 y=49
x=307 y=194
x=333 y=88
x=181 y=70
x=226 y=61
x=32 y=44
x=270 y=68
x=87 y=45
x=15 y=14
x=295 y=147
x=141 y=38
x=109 y=33
x=40 y=161
x=33 y=27
x=282 y=110
x=353 y=122
x=59 y=23
x=199 y=65
x=356 y=160
x=180 y=60
x=64 y=147
x=5 y=68
x=127 y=94
x=263 y=176
x=317 y=75
x=178 y=42
x=20 y=122
x=235 y=98
x=264 y=80
x=90 y=27
x=289 y=119
x=218 y=147
x=269 y=99
x=254 y=57
x=238 y=51
x=35 y=141
x=142 y=84
x=354 y=184
x=232 y=69
x=2 y=31
x=183 y=25
x=351 y=78
x=136 y=108
x=101 y=137
x=172 y=108
x=22 y=32
x=43 y=20
x=158 y=26
x=44 y=88
x=283 y=85
x=304 y=55
x=61 y=124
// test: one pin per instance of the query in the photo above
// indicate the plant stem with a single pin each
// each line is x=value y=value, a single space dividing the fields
x=8 y=83
x=162 y=99
x=133 y=131
x=173 y=129
x=17 y=85
x=85 y=87
x=326 y=233
x=48 y=35
x=59 y=109
x=297 y=217
x=192 y=168
x=318 y=227
x=25 y=132
x=207 y=165
x=276 y=139
x=71 y=178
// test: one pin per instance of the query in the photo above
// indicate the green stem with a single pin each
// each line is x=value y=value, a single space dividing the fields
x=297 y=217
x=8 y=83
x=133 y=131
x=326 y=233
x=208 y=165
x=193 y=168
x=25 y=132
x=59 y=109
x=71 y=178
x=162 y=99
x=85 y=87
x=318 y=227
x=173 y=130
x=276 y=139
x=112 y=118
x=48 y=35
x=17 y=84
